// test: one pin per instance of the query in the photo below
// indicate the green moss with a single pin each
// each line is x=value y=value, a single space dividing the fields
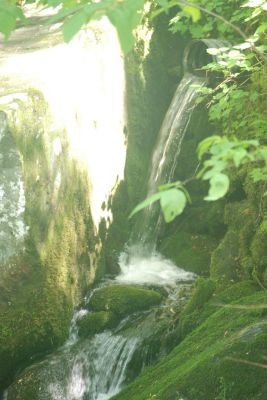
x=225 y=259
x=206 y=299
x=40 y=286
x=200 y=367
x=96 y=322
x=118 y=231
x=204 y=219
x=203 y=291
x=259 y=247
x=124 y=299
x=189 y=251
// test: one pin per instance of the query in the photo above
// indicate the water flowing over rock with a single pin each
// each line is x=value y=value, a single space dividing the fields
x=94 y=370
x=153 y=269
x=59 y=135
x=61 y=120
x=166 y=154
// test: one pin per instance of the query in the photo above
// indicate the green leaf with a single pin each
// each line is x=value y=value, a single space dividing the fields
x=73 y=25
x=219 y=185
x=155 y=197
x=194 y=12
x=173 y=202
x=125 y=17
x=205 y=145
x=239 y=155
x=7 y=23
x=64 y=12
x=164 y=4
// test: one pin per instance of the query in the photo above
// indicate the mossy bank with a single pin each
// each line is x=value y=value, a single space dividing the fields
x=221 y=359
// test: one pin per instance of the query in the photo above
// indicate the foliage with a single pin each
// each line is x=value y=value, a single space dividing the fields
x=124 y=15
x=223 y=154
x=233 y=100
x=10 y=12
x=172 y=197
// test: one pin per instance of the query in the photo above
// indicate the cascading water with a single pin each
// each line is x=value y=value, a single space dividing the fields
x=166 y=153
x=174 y=127
x=96 y=368
x=92 y=370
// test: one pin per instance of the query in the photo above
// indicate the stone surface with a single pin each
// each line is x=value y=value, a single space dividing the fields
x=12 y=196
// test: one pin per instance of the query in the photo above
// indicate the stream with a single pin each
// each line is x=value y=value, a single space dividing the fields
x=97 y=367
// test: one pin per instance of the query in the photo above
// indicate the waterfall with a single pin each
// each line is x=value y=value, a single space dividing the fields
x=166 y=153
x=140 y=263
x=94 y=371
x=173 y=130
x=95 y=368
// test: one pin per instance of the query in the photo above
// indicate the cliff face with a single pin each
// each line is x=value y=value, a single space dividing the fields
x=47 y=233
x=61 y=152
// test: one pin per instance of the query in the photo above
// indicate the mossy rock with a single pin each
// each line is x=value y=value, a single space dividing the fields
x=189 y=251
x=207 y=298
x=259 y=245
x=206 y=364
x=42 y=282
x=239 y=213
x=225 y=266
x=123 y=299
x=265 y=278
x=205 y=219
x=190 y=316
x=96 y=322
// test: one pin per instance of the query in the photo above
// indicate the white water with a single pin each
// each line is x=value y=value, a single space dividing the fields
x=138 y=268
x=73 y=331
x=172 y=132
x=93 y=370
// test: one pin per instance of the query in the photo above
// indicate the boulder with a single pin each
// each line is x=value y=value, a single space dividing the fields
x=123 y=300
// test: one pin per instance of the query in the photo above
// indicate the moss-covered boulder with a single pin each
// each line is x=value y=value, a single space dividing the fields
x=47 y=233
x=96 y=322
x=189 y=251
x=204 y=219
x=225 y=266
x=222 y=358
x=123 y=300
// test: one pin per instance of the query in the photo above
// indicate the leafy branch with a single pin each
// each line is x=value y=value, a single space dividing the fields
x=218 y=155
x=193 y=9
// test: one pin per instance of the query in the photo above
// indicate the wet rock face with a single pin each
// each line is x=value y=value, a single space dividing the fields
x=46 y=233
x=12 y=197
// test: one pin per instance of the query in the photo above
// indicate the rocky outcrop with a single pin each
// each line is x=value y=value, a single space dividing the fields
x=47 y=233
